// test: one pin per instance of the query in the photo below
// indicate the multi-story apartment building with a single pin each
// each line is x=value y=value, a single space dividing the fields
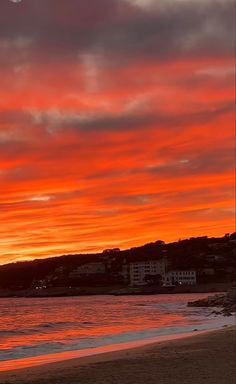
x=140 y=271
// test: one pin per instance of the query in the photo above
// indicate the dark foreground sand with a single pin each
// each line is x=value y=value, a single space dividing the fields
x=201 y=359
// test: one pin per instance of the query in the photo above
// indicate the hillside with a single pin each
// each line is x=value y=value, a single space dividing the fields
x=212 y=258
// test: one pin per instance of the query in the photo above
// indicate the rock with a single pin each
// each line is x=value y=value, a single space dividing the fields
x=227 y=302
x=227 y=313
x=232 y=293
x=216 y=312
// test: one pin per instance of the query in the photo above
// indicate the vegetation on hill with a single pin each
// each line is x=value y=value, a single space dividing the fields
x=212 y=258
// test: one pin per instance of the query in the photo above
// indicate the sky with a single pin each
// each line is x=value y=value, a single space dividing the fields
x=116 y=123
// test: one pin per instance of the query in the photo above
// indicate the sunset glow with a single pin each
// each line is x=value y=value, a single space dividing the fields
x=116 y=124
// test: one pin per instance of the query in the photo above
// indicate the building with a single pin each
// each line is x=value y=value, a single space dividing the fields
x=112 y=250
x=125 y=273
x=218 y=246
x=88 y=269
x=180 y=278
x=141 y=271
x=213 y=258
x=208 y=271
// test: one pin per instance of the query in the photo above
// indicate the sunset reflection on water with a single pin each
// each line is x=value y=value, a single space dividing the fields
x=30 y=328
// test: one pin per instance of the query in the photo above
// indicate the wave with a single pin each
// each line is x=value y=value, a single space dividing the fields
x=23 y=351
x=56 y=324
x=36 y=328
x=11 y=332
x=79 y=323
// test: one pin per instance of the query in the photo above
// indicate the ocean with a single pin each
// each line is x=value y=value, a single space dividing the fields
x=31 y=329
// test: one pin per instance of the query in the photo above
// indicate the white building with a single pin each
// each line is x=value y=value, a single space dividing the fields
x=180 y=278
x=89 y=269
x=141 y=270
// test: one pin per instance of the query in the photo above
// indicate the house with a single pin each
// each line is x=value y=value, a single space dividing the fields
x=213 y=258
x=88 y=269
x=218 y=246
x=140 y=271
x=208 y=271
x=112 y=250
x=180 y=278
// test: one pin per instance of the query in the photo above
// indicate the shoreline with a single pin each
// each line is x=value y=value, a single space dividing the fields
x=80 y=354
x=112 y=291
x=219 y=344
x=167 y=336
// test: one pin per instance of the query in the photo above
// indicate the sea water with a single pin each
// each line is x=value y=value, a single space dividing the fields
x=37 y=327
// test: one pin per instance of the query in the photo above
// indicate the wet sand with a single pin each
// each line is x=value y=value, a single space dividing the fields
x=207 y=358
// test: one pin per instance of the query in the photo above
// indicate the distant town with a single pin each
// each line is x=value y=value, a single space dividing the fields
x=190 y=265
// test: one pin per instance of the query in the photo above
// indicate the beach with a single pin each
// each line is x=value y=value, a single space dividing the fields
x=207 y=358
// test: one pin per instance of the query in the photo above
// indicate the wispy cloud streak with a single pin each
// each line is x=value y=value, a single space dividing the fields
x=116 y=123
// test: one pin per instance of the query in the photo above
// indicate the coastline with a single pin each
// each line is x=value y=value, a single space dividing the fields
x=112 y=291
x=164 y=335
x=211 y=351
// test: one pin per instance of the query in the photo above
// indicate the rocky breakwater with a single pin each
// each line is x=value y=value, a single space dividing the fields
x=225 y=302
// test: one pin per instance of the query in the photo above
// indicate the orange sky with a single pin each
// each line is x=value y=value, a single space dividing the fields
x=116 y=124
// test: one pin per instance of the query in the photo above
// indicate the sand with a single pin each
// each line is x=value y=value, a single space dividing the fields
x=202 y=359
